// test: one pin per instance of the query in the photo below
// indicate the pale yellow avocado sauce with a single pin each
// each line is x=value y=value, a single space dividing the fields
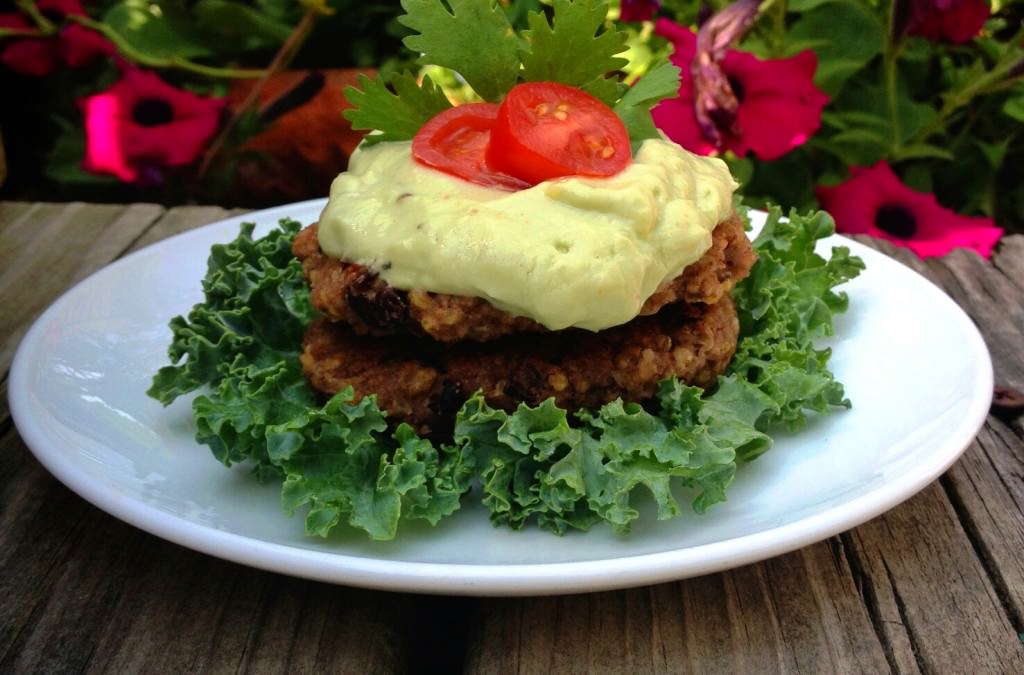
x=583 y=252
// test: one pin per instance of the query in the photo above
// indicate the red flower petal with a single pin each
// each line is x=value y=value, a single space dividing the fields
x=14 y=20
x=120 y=144
x=82 y=46
x=779 y=107
x=955 y=21
x=684 y=42
x=32 y=56
x=62 y=7
x=676 y=117
x=856 y=205
x=638 y=10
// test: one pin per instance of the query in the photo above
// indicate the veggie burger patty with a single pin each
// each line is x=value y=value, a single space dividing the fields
x=423 y=353
x=352 y=293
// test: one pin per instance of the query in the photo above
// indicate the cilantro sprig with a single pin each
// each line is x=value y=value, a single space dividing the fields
x=475 y=38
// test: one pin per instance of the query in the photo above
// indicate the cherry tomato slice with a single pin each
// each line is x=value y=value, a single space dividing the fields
x=455 y=141
x=546 y=130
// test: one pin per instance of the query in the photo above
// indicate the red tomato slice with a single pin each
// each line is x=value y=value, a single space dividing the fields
x=546 y=130
x=455 y=141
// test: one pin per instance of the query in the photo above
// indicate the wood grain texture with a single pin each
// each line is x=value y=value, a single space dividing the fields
x=986 y=487
x=46 y=248
x=796 y=613
x=181 y=219
x=936 y=585
x=83 y=592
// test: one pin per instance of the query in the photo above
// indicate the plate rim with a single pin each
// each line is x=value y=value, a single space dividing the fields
x=492 y=579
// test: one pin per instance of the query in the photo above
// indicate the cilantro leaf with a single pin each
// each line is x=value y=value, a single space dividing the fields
x=475 y=39
x=399 y=114
x=634 y=108
x=575 y=49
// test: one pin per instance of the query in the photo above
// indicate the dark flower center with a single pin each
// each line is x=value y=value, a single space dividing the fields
x=152 y=112
x=737 y=88
x=897 y=220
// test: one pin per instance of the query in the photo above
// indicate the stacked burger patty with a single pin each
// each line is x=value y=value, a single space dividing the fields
x=424 y=353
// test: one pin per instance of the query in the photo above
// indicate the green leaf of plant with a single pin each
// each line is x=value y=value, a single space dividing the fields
x=850 y=34
x=661 y=82
x=1014 y=108
x=861 y=135
x=161 y=29
x=238 y=27
x=474 y=39
x=397 y=114
x=922 y=151
x=64 y=163
x=805 y=5
x=575 y=48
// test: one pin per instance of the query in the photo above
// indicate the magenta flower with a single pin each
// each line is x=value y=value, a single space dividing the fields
x=141 y=123
x=779 y=107
x=955 y=21
x=638 y=10
x=875 y=202
x=74 y=46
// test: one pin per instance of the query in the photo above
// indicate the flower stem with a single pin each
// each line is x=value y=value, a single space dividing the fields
x=125 y=48
x=1002 y=76
x=890 y=56
x=29 y=7
x=280 y=61
x=22 y=32
x=778 y=14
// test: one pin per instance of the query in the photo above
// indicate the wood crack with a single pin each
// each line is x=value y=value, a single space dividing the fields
x=132 y=243
x=981 y=550
x=862 y=580
x=901 y=608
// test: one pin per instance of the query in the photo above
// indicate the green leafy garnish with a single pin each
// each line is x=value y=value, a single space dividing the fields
x=343 y=463
x=575 y=49
x=475 y=39
x=397 y=115
x=634 y=108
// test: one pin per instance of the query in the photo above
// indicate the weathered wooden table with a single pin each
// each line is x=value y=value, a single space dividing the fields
x=934 y=586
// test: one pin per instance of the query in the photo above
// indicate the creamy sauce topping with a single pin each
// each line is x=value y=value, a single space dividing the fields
x=583 y=252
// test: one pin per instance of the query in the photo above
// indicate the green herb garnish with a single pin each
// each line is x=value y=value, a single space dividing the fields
x=475 y=39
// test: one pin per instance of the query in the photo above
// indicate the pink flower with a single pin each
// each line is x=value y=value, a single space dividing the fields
x=141 y=122
x=31 y=55
x=874 y=202
x=74 y=46
x=638 y=10
x=955 y=21
x=779 y=106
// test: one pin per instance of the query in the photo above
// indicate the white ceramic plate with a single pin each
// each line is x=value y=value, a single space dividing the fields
x=914 y=365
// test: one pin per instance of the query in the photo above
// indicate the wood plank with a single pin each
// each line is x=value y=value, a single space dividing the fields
x=800 y=612
x=57 y=245
x=116 y=599
x=931 y=591
x=20 y=221
x=181 y=219
x=987 y=491
x=980 y=489
x=1009 y=259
